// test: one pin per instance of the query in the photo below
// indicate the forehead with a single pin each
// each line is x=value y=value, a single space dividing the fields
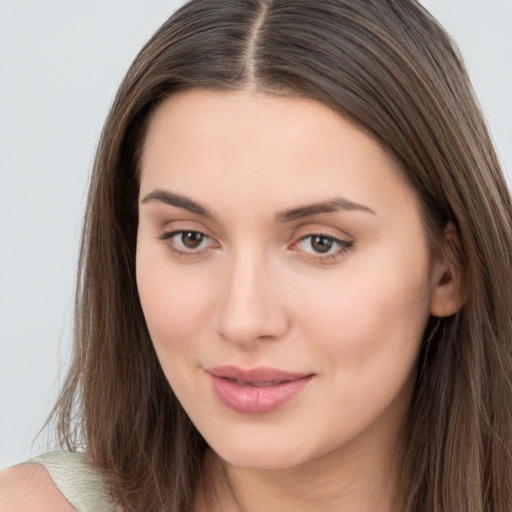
x=288 y=148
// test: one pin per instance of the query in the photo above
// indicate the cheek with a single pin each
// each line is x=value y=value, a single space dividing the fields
x=174 y=305
x=367 y=338
x=374 y=313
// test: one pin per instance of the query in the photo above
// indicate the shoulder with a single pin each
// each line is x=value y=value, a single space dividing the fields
x=29 y=487
x=56 y=481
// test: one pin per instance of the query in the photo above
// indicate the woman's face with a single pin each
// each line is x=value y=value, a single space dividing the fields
x=284 y=275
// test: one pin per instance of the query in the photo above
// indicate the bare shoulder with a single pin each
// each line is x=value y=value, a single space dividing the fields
x=29 y=487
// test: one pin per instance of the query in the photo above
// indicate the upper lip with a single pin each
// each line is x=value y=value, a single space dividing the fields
x=256 y=375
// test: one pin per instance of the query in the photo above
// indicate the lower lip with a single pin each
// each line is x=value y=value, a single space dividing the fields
x=256 y=400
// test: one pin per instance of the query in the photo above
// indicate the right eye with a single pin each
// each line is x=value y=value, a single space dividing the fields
x=186 y=242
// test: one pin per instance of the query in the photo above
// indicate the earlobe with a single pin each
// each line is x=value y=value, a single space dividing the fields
x=446 y=295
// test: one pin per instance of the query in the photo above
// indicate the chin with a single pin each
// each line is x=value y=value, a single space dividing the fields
x=263 y=456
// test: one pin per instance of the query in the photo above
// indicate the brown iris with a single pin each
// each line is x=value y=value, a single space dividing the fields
x=191 y=239
x=321 y=243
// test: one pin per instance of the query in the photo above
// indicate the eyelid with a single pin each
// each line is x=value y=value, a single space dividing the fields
x=178 y=225
x=173 y=230
x=344 y=243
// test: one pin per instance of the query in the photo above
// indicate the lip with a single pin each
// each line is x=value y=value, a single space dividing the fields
x=256 y=390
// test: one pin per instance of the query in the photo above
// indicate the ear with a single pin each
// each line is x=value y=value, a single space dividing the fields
x=446 y=276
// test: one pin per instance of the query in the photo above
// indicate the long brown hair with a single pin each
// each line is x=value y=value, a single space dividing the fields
x=391 y=68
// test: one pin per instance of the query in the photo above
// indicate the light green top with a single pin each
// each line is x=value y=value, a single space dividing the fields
x=78 y=480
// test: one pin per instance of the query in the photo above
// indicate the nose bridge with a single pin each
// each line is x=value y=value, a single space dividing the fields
x=249 y=306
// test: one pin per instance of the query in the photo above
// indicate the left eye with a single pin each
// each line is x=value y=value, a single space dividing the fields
x=319 y=244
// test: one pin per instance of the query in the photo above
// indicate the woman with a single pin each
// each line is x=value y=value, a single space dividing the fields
x=294 y=281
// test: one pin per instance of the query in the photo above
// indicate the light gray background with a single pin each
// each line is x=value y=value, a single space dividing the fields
x=60 y=64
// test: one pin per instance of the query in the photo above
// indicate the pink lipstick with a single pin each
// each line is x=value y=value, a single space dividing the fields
x=257 y=390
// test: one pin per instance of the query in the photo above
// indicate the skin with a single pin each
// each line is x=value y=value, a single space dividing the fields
x=257 y=292
x=29 y=487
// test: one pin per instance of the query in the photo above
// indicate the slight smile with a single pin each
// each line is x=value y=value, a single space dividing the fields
x=256 y=390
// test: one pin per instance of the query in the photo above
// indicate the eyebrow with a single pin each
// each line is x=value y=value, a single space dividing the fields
x=333 y=205
x=163 y=196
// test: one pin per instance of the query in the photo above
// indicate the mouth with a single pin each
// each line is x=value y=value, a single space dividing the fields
x=256 y=384
x=256 y=390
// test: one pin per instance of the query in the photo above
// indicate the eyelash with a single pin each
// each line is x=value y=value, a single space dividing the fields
x=342 y=245
x=168 y=236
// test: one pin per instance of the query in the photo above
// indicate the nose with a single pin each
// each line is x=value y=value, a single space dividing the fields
x=250 y=305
